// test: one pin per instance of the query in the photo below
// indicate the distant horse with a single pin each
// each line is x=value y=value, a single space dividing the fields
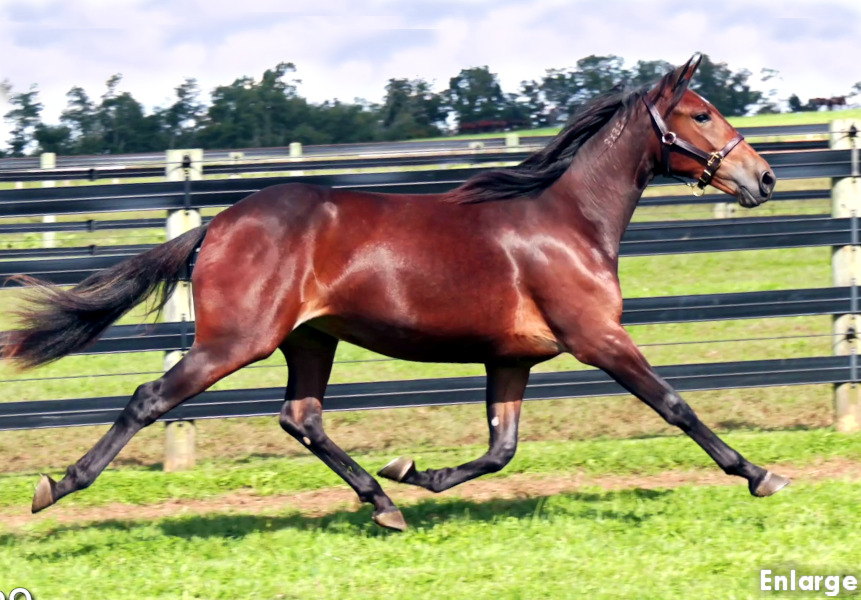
x=512 y=268
x=829 y=103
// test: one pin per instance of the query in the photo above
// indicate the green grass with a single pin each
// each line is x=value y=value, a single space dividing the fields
x=683 y=543
x=277 y=475
x=687 y=542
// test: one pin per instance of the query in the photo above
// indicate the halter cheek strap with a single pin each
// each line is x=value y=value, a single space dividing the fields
x=671 y=141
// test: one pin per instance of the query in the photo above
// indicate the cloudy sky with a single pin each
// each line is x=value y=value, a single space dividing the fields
x=347 y=49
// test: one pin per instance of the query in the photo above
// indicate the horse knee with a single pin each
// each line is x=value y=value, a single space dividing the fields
x=678 y=412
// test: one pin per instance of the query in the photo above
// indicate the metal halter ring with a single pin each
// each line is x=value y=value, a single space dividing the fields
x=669 y=138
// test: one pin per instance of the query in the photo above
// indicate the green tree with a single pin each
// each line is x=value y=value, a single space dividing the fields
x=534 y=104
x=255 y=113
x=182 y=120
x=475 y=95
x=648 y=72
x=410 y=109
x=855 y=92
x=24 y=117
x=561 y=91
x=795 y=104
x=729 y=91
x=124 y=124
x=82 y=119
x=54 y=138
x=598 y=74
x=334 y=122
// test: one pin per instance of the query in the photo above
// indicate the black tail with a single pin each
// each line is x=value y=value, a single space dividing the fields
x=61 y=321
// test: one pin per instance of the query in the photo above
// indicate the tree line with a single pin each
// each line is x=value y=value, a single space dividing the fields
x=269 y=111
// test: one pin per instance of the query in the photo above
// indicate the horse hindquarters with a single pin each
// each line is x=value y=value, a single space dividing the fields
x=235 y=326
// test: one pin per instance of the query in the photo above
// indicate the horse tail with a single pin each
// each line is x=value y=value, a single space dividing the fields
x=61 y=321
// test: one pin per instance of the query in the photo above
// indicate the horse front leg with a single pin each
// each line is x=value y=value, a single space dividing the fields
x=505 y=387
x=612 y=350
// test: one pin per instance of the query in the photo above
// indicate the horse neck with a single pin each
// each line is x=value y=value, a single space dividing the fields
x=606 y=178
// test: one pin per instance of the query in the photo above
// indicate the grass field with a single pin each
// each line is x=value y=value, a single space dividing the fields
x=597 y=540
x=603 y=499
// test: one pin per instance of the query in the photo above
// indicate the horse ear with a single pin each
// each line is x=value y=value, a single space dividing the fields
x=682 y=77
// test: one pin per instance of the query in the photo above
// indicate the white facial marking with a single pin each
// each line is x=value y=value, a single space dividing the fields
x=495 y=421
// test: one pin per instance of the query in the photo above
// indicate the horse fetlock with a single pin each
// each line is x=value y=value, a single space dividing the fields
x=79 y=478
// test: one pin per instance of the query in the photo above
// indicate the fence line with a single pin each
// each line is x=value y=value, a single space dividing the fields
x=641 y=239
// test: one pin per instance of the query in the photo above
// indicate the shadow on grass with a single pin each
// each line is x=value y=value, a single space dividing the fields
x=424 y=515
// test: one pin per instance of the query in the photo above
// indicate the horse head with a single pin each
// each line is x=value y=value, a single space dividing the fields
x=697 y=142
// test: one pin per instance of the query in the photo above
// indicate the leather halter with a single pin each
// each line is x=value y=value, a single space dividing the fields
x=671 y=141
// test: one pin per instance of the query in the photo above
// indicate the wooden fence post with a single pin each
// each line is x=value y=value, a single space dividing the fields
x=48 y=160
x=725 y=210
x=846 y=269
x=187 y=166
x=236 y=158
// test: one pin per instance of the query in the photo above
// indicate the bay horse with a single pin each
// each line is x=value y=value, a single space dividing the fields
x=512 y=268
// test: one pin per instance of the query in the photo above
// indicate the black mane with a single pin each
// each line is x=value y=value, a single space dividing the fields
x=538 y=172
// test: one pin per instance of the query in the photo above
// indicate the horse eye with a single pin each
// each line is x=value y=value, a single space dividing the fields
x=702 y=118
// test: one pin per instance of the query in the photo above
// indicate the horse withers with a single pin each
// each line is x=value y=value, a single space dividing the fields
x=512 y=268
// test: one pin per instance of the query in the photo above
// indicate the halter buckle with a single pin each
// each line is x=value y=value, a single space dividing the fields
x=715 y=159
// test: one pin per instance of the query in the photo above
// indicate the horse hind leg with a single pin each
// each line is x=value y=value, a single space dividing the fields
x=505 y=388
x=199 y=369
x=310 y=355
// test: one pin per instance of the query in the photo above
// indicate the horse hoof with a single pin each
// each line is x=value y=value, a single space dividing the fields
x=770 y=484
x=391 y=519
x=44 y=496
x=398 y=469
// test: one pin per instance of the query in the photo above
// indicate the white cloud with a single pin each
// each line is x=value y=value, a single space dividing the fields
x=349 y=49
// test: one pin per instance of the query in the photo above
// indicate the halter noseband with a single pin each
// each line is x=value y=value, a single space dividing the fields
x=669 y=140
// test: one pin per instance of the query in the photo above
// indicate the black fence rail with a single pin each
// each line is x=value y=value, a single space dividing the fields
x=476 y=157
x=70 y=265
x=219 y=193
x=153 y=163
x=431 y=392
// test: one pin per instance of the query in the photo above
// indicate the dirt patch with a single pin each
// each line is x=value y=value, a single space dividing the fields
x=326 y=501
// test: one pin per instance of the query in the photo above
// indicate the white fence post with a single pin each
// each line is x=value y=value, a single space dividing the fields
x=181 y=165
x=48 y=160
x=846 y=269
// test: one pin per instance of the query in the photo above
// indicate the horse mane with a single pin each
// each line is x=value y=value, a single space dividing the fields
x=539 y=170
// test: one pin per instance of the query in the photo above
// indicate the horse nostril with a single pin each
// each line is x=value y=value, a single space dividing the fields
x=766 y=183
